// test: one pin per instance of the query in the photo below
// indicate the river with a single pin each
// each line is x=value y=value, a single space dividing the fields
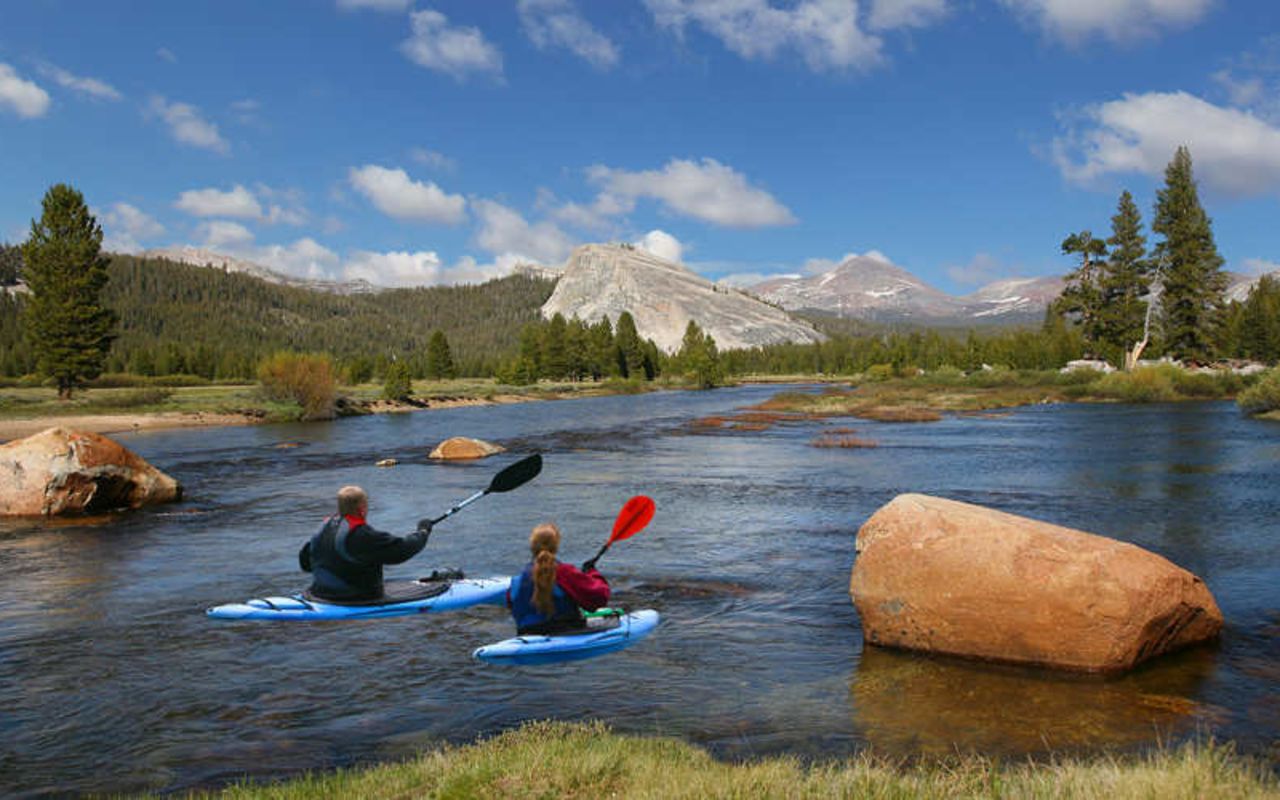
x=112 y=679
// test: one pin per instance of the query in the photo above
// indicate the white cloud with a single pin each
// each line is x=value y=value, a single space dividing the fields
x=891 y=14
x=662 y=244
x=21 y=96
x=165 y=54
x=221 y=234
x=305 y=258
x=92 y=87
x=239 y=202
x=982 y=269
x=706 y=190
x=1240 y=91
x=505 y=231
x=188 y=125
x=432 y=159
x=1119 y=20
x=1233 y=150
x=745 y=280
x=284 y=205
x=124 y=226
x=557 y=24
x=454 y=50
x=374 y=5
x=394 y=193
x=825 y=33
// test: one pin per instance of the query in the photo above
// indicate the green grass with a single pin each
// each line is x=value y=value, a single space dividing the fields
x=561 y=760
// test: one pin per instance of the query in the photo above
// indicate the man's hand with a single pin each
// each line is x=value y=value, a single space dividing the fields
x=424 y=527
x=588 y=565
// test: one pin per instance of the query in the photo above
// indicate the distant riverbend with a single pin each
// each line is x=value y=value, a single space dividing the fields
x=113 y=680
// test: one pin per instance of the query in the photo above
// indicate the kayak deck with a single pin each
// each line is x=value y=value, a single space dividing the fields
x=400 y=599
x=603 y=635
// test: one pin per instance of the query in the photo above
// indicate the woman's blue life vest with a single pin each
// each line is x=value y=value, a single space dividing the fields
x=529 y=620
x=336 y=574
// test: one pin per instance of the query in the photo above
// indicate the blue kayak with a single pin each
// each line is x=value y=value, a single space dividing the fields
x=400 y=598
x=602 y=635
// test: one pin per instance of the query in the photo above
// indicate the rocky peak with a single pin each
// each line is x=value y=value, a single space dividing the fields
x=605 y=280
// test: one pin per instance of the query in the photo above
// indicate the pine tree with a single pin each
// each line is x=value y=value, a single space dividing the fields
x=1126 y=279
x=601 y=359
x=10 y=264
x=399 y=383
x=698 y=358
x=1190 y=266
x=630 y=348
x=1259 y=323
x=555 y=353
x=69 y=328
x=1082 y=296
x=439 y=358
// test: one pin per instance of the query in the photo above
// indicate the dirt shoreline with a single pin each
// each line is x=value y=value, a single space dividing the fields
x=18 y=428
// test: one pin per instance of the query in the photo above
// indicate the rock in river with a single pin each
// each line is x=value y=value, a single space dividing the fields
x=948 y=577
x=60 y=471
x=460 y=447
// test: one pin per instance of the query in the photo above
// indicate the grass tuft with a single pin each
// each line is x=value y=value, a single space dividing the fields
x=564 y=760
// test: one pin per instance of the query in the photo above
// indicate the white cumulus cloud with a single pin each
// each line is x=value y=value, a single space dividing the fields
x=188 y=126
x=1259 y=266
x=1119 y=20
x=224 y=235
x=124 y=226
x=395 y=194
x=504 y=231
x=451 y=49
x=21 y=96
x=662 y=244
x=100 y=90
x=1234 y=151
x=825 y=33
x=237 y=202
x=432 y=159
x=706 y=190
x=982 y=269
x=551 y=24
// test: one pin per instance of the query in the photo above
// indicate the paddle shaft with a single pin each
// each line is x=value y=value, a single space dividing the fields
x=459 y=507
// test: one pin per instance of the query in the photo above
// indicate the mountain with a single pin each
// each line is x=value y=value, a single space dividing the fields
x=200 y=257
x=873 y=288
x=605 y=280
x=1239 y=285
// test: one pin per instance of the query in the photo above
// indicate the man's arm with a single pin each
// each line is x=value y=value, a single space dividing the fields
x=371 y=546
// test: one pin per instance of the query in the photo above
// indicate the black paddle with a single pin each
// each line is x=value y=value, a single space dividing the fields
x=516 y=475
x=632 y=519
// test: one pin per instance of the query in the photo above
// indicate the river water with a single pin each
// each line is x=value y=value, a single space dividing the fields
x=112 y=679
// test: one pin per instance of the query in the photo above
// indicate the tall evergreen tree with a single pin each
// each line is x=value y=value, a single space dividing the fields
x=698 y=357
x=439 y=357
x=1082 y=297
x=1126 y=279
x=555 y=352
x=10 y=264
x=1259 y=323
x=630 y=348
x=69 y=328
x=602 y=360
x=1190 y=266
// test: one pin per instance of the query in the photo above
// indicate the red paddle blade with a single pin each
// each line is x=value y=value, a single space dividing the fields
x=632 y=518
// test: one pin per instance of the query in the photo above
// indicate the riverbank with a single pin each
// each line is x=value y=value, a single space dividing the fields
x=552 y=759
x=28 y=410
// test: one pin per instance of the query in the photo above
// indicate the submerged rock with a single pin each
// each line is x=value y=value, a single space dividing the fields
x=461 y=447
x=61 y=471
x=947 y=577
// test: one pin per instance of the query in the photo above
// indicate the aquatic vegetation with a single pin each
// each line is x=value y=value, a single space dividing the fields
x=845 y=441
x=1264 y=396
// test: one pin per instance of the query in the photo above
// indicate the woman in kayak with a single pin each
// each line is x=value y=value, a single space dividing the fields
x=548 y=597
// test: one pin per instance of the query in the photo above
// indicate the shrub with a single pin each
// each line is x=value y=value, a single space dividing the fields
x=879 y=372
x=1204 y=384
x=1078 y=377
x=1263 y=396
x=1143 y=385
x=307 y=380
x=399 y=382
x=947 y=374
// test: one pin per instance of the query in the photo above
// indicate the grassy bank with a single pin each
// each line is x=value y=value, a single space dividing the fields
x=925 y=397
x=587 y=761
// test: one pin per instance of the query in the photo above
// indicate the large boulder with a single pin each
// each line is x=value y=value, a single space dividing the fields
x=60 y=471
x=461 y=447
x=948 y=577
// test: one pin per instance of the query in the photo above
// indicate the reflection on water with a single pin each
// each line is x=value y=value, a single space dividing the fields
x=111 y=678
x=903 y=703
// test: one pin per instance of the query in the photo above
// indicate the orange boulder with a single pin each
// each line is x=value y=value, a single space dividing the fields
x=461 y=447
x=947 y=577
x=60 y=471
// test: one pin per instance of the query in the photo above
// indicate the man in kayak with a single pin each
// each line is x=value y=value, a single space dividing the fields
x=548 y=596
x=347 y=554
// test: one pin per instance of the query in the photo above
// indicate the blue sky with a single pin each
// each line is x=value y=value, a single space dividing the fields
x=412 y=142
